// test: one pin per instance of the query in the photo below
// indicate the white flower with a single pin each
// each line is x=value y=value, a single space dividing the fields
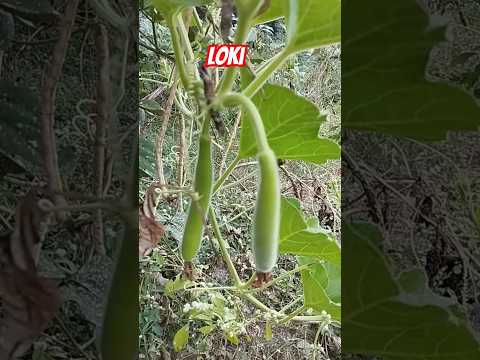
x=186 y=308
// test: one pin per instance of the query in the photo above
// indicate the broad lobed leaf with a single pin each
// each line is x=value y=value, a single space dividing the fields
x=292 y=124
x=296 y=237
x=379 y=320
x=383 y=72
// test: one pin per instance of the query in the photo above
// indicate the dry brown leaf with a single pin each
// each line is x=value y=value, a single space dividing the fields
x=150 y=233
x=28 y=301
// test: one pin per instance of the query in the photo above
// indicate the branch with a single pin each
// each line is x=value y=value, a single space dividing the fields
x=48 y=91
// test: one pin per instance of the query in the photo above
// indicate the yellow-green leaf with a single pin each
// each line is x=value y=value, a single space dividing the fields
x=180 y=339
x=268 y=331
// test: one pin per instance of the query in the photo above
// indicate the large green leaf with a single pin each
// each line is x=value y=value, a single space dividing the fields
x=168 y=7
x=380 y=319
x=275 y=10
x=312 y=23
x=297 y=238
x=292 y=124
x=321 y=286
x=383 y=74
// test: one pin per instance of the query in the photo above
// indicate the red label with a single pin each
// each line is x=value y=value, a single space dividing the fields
x=226 y=55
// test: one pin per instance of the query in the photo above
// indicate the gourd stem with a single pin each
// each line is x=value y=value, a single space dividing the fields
x=243 y=27
x=226 y=174
x=249 y=108
x=292 y=315
x=281 y=277
x=179 y=54
x=265 y=72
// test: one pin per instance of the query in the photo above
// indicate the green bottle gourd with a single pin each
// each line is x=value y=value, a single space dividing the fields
x=198 y=210
x=267 y=213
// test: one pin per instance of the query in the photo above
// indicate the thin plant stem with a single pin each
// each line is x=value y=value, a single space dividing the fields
x=223 y=247
x=251 y=110
x=292 y=315
x=281 y=277
x=264 y=74
x=226 y=174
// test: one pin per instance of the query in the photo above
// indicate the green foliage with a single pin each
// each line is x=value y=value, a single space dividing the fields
x=321 y=286
x=147 y=157
x=277 y=123
x=312 y=24
x=296 y=237
x=392 y=88
x=292 y=124
x=180 y=339
x=170 y=7
x=375 y=300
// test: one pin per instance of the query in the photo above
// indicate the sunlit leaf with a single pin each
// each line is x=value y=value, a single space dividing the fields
x=180 y=339
x=296 y=238
x=292 y=126
x=322 y=286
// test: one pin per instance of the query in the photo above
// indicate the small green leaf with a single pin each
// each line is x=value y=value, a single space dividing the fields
x=296 y=238
x=268 y=331
x=292 y=126
x=232 y=338
x=205 y=330
x=180 y=339
x=322 y=286
x=171 y=287
x=152 y=106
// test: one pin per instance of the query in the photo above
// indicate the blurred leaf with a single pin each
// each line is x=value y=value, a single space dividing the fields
x=205 y=330
x=36 y=10
x=171 y=287
x=168 y=7
x=19 y=131
x=180 y=339
x=147 y=157
x=377 y=321
x=296 y=238
x=274 y=11
x=151 y=105
x=7 y=30
x=268 y=331
x=383 y=69
x=292 y=124
x=232 y=338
